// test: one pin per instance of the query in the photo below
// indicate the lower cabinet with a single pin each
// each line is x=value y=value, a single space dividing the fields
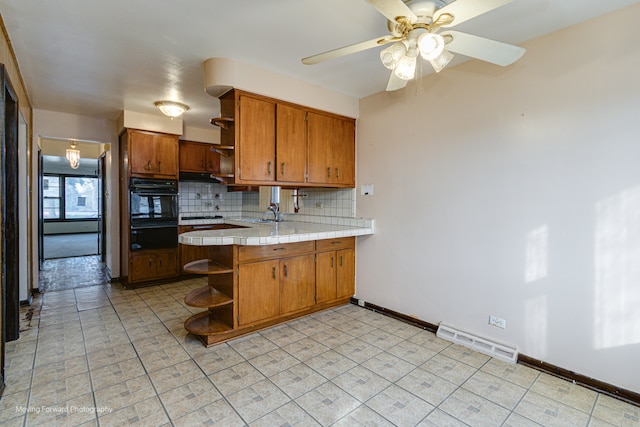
x=251 y=287
x=146 y=265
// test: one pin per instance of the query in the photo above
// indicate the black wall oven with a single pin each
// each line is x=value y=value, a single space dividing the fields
x=154 y=213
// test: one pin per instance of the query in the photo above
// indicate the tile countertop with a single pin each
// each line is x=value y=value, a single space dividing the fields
x=257 y=233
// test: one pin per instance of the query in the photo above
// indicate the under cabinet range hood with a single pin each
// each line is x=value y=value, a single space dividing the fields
x=197 y=176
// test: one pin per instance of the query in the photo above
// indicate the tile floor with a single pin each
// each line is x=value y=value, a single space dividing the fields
x=102 y=355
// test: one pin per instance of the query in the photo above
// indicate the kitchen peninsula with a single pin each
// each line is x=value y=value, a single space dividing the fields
x=264 y=273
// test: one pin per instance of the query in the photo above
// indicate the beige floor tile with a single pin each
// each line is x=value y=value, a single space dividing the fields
x=176 y=375
x=305 y=349
x=399 y=406
x=400 y=329
x=154 y=343
x=411 y=352
x=217 y=413
x=125 y=394
x=429 y=341
x=282 y=335
x=46 y=355
x=297 y=380
x=308 y=325
x=273 y=362
x=363 y=417
x=252 y=345
x=16 y=381
x=389 y=366
x=516 y=420
x=236 y=378
x=361 y=383
x=110 y=375
x=145 y=331
x=145 y=413
x=549 y=412
x=465 y=355
x=183 y=400
x=257 y=400
x=616 y=412
x=438 y=418
x=14 y=406
x=332 y=337
x=517 y=374
x=427 y=386
x=164 y=357
x=74 y=412
x=381 y=339
x=327 y=403
x=355 y=328
x=473 y=409
x=502 y=392
x=563 y=391
x=218 y=358
x=288 y=415
x=61 y=390
x=330 y=364
x=111 y=355
x=449 y=369
x=358 y=350
x=60 y=370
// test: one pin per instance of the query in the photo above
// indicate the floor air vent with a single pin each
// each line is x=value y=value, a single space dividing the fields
x=499 y=351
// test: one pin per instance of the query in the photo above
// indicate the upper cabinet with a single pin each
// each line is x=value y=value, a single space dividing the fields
x=153 y=155
x=272 y=142
x=199 y=157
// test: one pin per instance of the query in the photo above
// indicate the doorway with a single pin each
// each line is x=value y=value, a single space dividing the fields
x=72 y=214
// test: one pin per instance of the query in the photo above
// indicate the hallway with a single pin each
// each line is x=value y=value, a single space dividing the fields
x=71 y=273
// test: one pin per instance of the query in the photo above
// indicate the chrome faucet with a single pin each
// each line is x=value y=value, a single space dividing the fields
x=275 y=208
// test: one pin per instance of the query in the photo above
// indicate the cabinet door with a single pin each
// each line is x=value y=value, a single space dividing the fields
x=291 y=144
x=142 y=267
x=256 y=143
x=258 y=293
x=325 y=276
x=345 y=273
x=142 y=149
x=166 y=155
x=212 y=160
x=343 y=152
x=192 y=157
x=167 y=263
x=319 y=135
x=297 y=283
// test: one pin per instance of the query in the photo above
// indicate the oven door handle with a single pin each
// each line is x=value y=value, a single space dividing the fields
x=145 y=226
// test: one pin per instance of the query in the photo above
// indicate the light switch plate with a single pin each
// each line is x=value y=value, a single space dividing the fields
x=366 y=190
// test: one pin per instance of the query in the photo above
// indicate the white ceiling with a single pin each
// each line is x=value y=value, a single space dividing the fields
x=100 y=57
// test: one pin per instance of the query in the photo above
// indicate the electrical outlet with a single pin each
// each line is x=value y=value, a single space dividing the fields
x=320 y=205
x=497 y=322
x=361 y=302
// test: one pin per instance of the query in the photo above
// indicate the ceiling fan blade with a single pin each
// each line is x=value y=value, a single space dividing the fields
x=347 y=50
x=392 y=9
x=463 y=10
x=482 y=48
x=395 y=83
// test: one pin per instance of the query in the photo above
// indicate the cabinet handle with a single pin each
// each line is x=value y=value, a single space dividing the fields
x=337 y=172
x=328 y=172
x=148 y=167
x=159 y=167
x=201 y=163
x=279 y=249
x=282 y=169
x=331 y=262
x=274 y=272
x=269 y=168
x=160 y=262
x=340 y=260
x=149 y=262
x=286 y=270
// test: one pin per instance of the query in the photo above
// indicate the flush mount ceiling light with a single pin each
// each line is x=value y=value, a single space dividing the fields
x=171 y=108
x=415 y=31
x=73 y=155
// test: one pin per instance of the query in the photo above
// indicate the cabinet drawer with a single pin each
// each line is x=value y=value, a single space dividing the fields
x=252 y=253
x=335 y=244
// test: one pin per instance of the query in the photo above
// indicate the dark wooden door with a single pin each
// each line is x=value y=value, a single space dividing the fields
x=9 y=216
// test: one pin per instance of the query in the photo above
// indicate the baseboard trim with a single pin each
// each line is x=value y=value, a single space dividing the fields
x=591 y=383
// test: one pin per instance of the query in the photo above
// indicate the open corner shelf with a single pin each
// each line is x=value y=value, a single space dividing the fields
x=207 y=297
x=207 y=266
x=223 y=122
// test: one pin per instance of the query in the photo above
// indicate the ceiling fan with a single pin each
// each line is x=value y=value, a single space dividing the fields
x=415 y=27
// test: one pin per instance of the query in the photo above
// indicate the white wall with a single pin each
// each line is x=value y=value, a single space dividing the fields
x=515 y=192
x=51 y=124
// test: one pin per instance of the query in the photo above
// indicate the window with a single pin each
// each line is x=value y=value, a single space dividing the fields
x=70 y=197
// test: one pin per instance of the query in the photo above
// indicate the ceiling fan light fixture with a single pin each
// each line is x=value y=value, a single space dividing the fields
x=171 y=108
x=73 y=155
x=430 y=45
x=441 y=61
x=391 y=56
x=406 y=69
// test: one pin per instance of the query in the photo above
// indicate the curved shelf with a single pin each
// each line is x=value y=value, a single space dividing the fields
x=206 y=323
x=207 y=266
x=223 y=150
x=207 y=297
x=223 y=122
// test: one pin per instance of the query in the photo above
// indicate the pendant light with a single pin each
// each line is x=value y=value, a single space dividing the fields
x=73 y=155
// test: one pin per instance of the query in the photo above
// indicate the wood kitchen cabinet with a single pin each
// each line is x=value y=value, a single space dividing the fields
x=272 y=142
x=331 y=144
x=153 y=264
x=335 y=269
x=152 y=155
x=198 y=157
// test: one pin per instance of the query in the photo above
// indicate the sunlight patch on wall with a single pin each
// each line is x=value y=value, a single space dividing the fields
x=537 y=254
x=536 y=322
x=617 y=270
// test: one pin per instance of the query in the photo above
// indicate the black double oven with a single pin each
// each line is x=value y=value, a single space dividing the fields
x=154 y=213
